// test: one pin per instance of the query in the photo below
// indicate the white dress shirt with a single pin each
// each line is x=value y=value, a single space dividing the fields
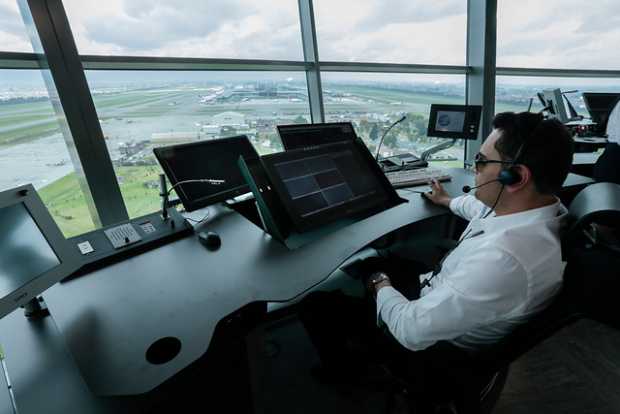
x=503 y=271
x=613 y=125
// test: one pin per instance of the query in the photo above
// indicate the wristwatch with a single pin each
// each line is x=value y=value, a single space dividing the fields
x=378 y=278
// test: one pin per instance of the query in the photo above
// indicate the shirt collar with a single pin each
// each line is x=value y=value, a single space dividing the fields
x=522 y=218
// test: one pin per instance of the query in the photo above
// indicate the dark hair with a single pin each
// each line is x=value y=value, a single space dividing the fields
x=543 y=145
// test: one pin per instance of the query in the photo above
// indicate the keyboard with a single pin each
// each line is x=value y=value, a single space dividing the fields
x=408 y=178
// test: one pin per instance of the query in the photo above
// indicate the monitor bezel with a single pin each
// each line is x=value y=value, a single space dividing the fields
x=287 y=147
x=390 y=197
x=474 y=111
x=163 y=154
x=67 y=254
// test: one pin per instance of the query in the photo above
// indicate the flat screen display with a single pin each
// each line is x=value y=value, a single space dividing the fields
x=212 y=159
x=326 y=183
x=308 y=135
x=450 y=121
x=25 y=254
x=454 y=121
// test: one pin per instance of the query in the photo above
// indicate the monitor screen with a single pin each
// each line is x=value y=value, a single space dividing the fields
x=25 y=254
x=600 y=105
x=212 y=159
x=323 y=184
x=450 y=121
x=34 y=254
x=307 y=135
x=454 y=121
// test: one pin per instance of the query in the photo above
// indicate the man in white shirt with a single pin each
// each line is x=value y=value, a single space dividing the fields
x=506 y=267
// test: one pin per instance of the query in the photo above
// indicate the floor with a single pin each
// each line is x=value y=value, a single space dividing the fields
x=575 y=371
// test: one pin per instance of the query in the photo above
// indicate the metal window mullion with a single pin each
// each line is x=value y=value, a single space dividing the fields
x=481 y=51
x=87 y=147
x=311 y=57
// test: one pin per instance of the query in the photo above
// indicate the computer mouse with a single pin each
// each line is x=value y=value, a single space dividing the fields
x=210 y=240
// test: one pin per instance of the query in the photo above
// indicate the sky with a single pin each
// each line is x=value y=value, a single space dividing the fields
x=531 y=33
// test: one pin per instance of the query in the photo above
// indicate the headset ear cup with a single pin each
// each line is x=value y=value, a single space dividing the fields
x=509 y=176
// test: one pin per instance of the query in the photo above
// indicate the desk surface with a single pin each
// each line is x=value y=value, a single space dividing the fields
x=110 y=317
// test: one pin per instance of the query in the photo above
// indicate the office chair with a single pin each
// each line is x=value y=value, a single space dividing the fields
x=590 y=279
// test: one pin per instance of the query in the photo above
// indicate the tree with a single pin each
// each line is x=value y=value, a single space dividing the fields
x=300 y=120
x=390 y=140
x=374 y=133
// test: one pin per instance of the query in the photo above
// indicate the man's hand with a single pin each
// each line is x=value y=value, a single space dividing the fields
x=438 y=194
x=376 y=281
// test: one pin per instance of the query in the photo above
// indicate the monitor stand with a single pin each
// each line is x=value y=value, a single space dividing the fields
x=36 y=309
x=432 y=150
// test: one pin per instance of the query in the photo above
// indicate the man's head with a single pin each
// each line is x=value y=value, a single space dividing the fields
x=535 y=155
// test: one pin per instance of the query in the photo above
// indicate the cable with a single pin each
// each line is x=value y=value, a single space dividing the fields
x=496 y=201
x=385 y=133
x=204 y=180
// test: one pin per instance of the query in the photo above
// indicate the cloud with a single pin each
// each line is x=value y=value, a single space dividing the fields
x=562 y=34
x=13 y=36
x=216 y=29
x=408 y=11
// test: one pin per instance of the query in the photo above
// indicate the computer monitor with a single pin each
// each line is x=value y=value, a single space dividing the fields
x=297 y=136
x=34 y=254
x=600 y=105
x=454 y=121
x=554 y=101
x=211 y=159
x=323 y=184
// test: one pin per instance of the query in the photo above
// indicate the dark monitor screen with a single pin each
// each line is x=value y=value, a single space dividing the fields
x=454 y=121
x=323 y=184
x=212 y=159
x=25 y=254
x=307 y=135
x=600 y=105
x=34 y=254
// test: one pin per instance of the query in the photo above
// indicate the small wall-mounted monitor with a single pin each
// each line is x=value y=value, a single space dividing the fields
x=297 y=136
x=34 y=254
x=209 y=159
x=454 y=121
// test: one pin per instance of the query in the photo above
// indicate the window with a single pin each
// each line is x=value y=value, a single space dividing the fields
x=33 y=150
x=13 y=35
x=512 y=93
x=373 y=101
x=140 y=110
x=559 y=34
x=399 y=31
x=242 y=29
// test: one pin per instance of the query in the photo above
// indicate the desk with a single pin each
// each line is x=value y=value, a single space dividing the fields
x=109 y=318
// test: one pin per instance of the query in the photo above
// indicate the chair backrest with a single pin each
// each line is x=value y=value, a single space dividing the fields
x=588 y=289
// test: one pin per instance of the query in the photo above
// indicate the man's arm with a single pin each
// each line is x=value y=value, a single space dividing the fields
x=478 y=293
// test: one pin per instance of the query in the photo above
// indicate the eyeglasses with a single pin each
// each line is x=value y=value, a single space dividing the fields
x=480 y=160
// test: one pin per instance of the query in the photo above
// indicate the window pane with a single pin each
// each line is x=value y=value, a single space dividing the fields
x=558 y=34
x=140 y=110
x=513 y=93
x=373 y=101
x=33 y=150
x=243 y=29
x=423 y=32
x=13 y=34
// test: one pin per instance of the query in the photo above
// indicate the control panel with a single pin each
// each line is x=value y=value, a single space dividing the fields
x=110 y=244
